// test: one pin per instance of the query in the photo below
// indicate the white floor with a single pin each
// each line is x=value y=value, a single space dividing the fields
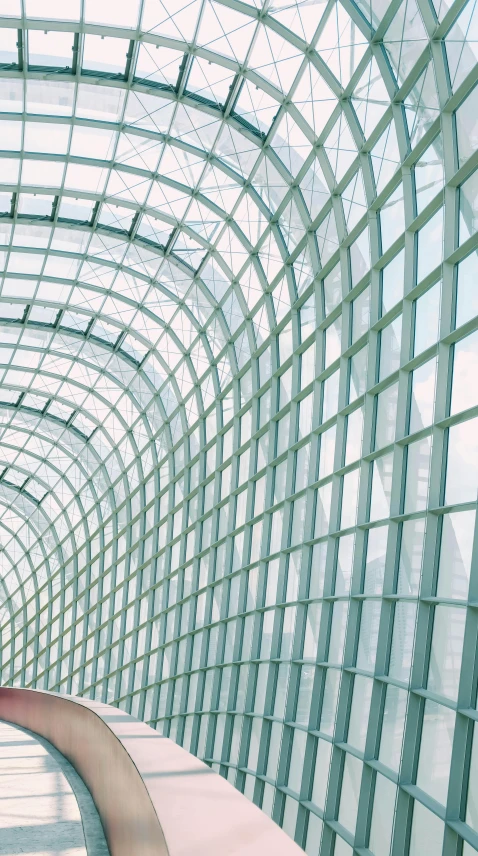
x=39 y=813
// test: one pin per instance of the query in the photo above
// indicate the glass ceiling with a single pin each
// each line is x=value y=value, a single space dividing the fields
x=190 y=194
x=166 y=195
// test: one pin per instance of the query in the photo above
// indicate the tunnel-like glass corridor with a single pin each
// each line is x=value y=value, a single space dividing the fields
x=238 y=400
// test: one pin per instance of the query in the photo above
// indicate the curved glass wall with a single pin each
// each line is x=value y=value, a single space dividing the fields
x=238 y=401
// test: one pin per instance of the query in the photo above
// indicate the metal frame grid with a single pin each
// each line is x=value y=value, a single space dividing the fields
x=238 y=340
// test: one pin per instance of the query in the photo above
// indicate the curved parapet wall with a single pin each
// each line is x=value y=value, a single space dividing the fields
x=152 y=796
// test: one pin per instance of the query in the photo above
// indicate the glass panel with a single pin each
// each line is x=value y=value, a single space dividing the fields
x=101 y=53
x=375 y=562
x=411 y=556
x=358 y=374
x=462 y=464
x=401 y=652
x=393 y=726
x=382 y=469
x=390 y=339
x=322 y=765
x=368 y=637
x=361 y=314
x=386 y=415
x=392 y=218
x=359 y=712
x=349 y=796
x=465 y=358
x=429 y=174
x=427 y=319
x=435 y=750
x=446 y=650
x=50 y=49
x=423 y=396
x=471 y=816
x=393 y=277
x=418 y=473
x=430 y=245
x=427 y=831
x=455 y=554
x=8 y=47
x=350 y=488
x=468 y=208
x=353 y=445
x=382 y=816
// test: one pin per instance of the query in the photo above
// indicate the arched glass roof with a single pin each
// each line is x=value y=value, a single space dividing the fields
x=217 y=221
x=171 y=184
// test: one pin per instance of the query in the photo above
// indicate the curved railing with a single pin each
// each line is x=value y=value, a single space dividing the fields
x=152 y=796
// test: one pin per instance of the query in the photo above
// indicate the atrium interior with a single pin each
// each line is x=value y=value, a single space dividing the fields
x=239 y=397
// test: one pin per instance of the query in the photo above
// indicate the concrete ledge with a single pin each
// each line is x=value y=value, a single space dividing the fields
x=153 y=797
